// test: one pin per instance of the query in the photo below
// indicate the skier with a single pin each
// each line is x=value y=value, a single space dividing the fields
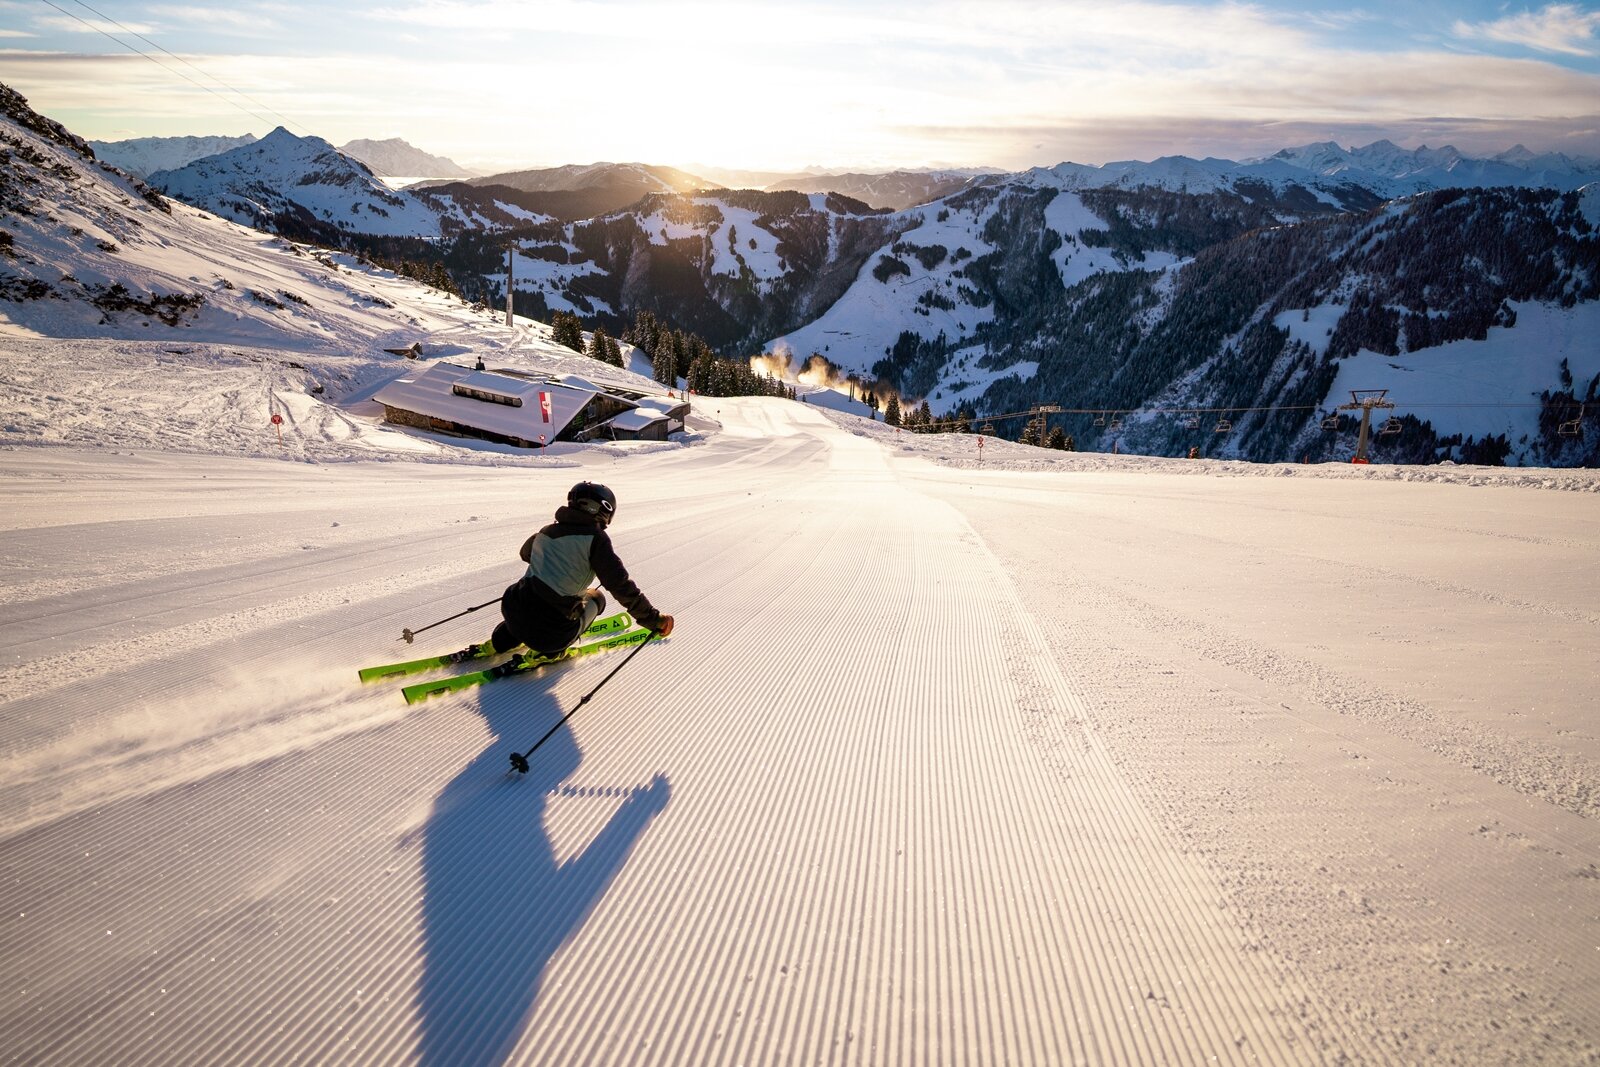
x=552 y=603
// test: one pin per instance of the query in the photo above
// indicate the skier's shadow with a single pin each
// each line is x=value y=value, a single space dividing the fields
x=498 y=905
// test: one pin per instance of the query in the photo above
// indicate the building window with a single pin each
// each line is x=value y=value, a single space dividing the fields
x=485 y=395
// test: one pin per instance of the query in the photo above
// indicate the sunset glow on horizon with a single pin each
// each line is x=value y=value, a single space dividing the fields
x=870 y=86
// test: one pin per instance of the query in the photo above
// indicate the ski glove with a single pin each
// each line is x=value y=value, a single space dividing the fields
x=663 y=626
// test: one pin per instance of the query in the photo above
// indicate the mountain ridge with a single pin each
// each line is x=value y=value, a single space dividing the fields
x=143 y=156
x=394 y=157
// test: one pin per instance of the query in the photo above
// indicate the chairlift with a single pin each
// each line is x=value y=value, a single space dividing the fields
x=1100 y=419
x=1223 y=426
x=1571 y=427
x=1116 y=424
x=1331 y=422
x=1192 y=422
x=987 y=427
x=1390 y=427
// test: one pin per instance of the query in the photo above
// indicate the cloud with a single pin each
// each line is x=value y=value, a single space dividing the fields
x=16 y=33
x=1562 y=29
x=217 y=19
x=74 y=24
x=1011 y=83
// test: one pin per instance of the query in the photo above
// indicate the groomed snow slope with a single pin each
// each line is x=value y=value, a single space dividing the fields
x=1109 y=764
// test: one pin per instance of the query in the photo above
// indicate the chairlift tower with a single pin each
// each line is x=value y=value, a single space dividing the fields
x=1366 y=401
x=511 y=247
x=1043 y=411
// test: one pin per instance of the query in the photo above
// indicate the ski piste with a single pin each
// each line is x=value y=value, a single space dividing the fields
x=520 y=665
x=610 y=624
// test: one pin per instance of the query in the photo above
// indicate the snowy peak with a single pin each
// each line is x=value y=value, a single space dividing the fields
x=395 y=158
x=1411 y=171
x=143 y=156
x=301 y=185
x=1338 y=177
x=95 y=253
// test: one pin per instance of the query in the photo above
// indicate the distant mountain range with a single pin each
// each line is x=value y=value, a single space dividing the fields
x=1381 y=169
x=395 y=158
x=143 y=156
x=1180 y=284
x=1441 y=168
x=580 y=191
x=896 y=189
x=303 y=180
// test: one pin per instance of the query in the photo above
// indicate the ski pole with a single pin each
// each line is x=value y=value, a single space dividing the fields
x=519 y=760
x=406 y=635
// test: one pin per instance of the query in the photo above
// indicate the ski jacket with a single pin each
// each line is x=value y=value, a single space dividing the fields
x=565 y=557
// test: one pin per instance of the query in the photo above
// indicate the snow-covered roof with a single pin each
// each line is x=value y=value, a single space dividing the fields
x=511 y=406
x=638 y=418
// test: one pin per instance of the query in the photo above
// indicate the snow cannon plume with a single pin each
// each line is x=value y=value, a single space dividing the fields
x=774 y=364
x=820 y=371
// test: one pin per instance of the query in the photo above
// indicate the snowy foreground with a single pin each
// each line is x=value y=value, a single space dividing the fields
x=1099 y=762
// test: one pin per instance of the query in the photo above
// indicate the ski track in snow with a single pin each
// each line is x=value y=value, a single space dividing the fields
x=1110 y=765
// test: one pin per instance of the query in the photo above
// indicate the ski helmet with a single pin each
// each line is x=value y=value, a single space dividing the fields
x=594 y=499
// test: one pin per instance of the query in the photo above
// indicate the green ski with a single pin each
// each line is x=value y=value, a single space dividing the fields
x=611 y=624
x=519 y=665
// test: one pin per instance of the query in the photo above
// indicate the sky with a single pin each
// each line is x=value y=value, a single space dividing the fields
x=870 y=84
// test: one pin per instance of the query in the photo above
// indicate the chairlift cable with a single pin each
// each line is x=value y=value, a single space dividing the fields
x=171 y=70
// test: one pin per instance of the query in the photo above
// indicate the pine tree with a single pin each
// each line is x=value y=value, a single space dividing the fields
x=1058 y=438
x=1069 y=445
x=664 y=367
x=1030 y=433
x=597 y=347
x=891 y=411
x=614 y=353
x=567 y=330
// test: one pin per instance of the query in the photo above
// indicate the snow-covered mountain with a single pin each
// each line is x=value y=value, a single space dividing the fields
x=1048 y=287
x=1417 y=170
x=1337 y=176
x=1478 y=307
x=734 y=266
x=1178 y=282
x=395 y=158
x=304 y=179
x=192 y=329
x=143 y=156
x=896 y=190
x=302 y=187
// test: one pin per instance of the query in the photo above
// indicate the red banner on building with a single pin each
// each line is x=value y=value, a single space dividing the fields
x=544 y=406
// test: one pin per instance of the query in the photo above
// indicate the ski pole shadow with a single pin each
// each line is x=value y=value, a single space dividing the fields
x=497 y=905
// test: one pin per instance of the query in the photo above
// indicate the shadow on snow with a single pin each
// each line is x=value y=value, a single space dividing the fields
x=498 y=906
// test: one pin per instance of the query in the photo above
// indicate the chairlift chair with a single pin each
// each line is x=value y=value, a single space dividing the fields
x=1116 y=424
x=987 y=427
x=1192 y=422
x=1571 y=428
x=1100 y=419
x=1223 y=426
x=1390 y=427
x=1331 y=422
